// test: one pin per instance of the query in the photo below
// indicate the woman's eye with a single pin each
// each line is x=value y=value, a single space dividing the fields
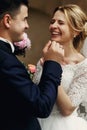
x=61 y=23
x=52 y=21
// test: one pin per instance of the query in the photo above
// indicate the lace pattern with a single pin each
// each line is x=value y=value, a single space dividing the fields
x=78 y=88
x=74 y=81
x=37 y=75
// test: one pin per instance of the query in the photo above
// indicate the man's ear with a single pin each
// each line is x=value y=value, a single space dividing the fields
x=7 y=20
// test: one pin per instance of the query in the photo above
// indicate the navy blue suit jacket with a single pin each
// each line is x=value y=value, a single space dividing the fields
x=21 y=101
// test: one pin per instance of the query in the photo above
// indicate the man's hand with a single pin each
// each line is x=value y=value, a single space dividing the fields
x=53 y=51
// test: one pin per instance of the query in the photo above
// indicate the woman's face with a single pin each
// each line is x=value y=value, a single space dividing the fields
x=59 y=28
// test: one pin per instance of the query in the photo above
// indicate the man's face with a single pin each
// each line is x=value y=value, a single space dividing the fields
x=19 y=24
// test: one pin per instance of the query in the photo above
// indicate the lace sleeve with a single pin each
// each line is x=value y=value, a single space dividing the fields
x=37 y=75
x=78 y=89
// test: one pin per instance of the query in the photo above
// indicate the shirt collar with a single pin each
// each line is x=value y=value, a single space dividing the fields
x=5 y=40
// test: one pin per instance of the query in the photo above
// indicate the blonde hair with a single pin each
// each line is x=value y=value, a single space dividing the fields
x=77 y=20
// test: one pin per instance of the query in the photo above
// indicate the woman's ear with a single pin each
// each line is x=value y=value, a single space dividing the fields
x=7 y=20
x=76 y=33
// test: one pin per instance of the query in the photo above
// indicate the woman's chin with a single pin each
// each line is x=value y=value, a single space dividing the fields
x=55 y=39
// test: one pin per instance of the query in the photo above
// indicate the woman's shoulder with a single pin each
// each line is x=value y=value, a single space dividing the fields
x=81 y=68
x=83 y=63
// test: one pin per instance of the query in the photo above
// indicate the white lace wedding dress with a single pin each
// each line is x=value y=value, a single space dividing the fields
x=74 y=81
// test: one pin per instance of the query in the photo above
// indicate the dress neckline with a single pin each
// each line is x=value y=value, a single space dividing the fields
x=77 y=64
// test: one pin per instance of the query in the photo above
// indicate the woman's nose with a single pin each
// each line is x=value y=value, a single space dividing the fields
x=55 y=24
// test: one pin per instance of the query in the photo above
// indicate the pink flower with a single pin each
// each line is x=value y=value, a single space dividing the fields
x=25 y=43
x=31 y=68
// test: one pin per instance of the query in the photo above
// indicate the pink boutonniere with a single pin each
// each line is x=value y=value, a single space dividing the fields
x=31 y=70
x=22 y=45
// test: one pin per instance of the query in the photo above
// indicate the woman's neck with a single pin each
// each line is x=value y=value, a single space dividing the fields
x=72 y=56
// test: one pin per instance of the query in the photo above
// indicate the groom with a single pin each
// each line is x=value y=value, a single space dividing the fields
x=21 y=101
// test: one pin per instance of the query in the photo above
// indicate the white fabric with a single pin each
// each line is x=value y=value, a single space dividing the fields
x=74 y=81
x=58 y=122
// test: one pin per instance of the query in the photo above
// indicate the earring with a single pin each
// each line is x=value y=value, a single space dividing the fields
x=74 y=36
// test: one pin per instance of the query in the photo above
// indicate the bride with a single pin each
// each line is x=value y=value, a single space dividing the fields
x=68 y=27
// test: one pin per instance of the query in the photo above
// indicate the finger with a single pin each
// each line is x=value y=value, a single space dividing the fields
x=54 y=45
x=42 y=60
x=45 y=49
x=61 y=46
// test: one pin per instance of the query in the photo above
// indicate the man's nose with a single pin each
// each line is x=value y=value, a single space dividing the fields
x=27 y=25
